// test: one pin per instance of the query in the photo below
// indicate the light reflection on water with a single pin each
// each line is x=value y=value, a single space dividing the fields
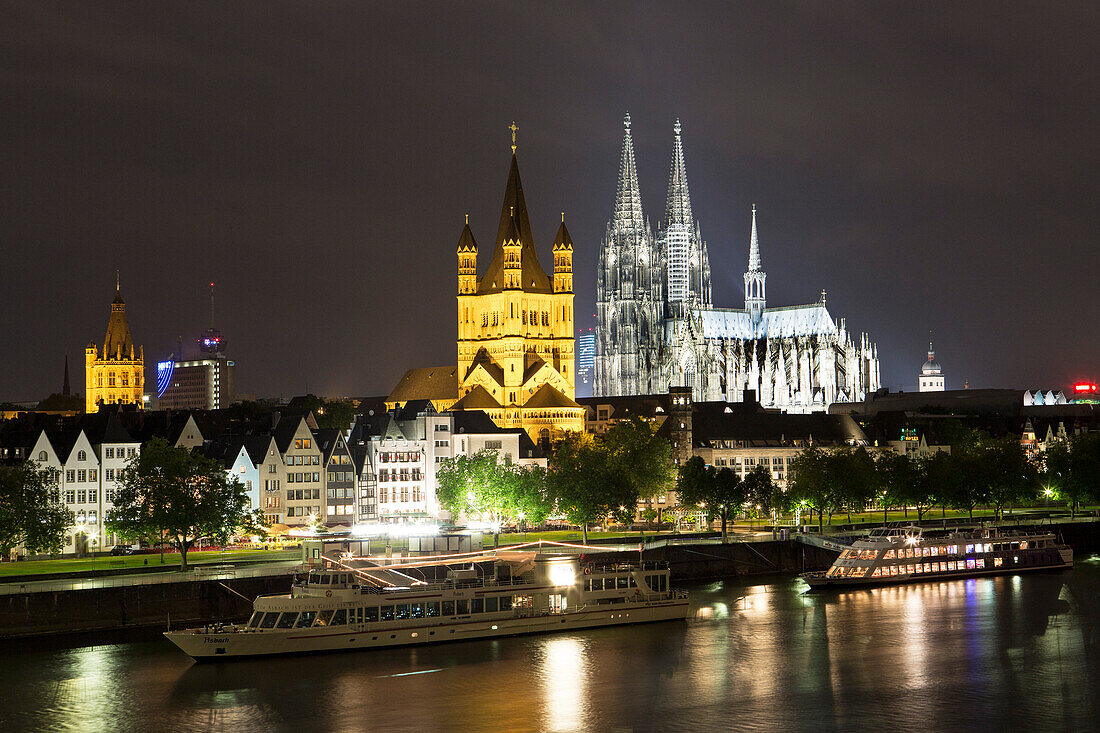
x=1011 y=652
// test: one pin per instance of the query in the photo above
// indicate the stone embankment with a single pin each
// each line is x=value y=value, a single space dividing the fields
x=197 y=601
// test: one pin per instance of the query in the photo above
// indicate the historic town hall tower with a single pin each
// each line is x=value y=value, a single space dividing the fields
x=115 y=374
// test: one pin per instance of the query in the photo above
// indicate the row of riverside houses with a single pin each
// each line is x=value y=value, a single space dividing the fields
x=380 y=470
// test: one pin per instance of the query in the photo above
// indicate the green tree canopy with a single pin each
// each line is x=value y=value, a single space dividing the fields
x=717 y=490
x=808 y=481
x=1073 y=469
x=587 y=484
x=172 y=493
x=31 y=511
x=499 y=492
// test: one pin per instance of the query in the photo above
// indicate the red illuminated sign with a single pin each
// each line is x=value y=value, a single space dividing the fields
x=1086 y=387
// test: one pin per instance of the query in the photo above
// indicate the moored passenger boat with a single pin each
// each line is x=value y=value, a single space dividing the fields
x=515 y=593
x=905 y=555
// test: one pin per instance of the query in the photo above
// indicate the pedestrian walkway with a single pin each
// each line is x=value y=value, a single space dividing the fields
x=199 y=572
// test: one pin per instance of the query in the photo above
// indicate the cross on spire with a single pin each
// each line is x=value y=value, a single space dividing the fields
x=513 y=127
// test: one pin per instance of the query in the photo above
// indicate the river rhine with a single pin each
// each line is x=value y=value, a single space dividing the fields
x=1006 y=653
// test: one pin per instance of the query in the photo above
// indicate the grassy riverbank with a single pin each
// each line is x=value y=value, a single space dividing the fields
x=111 y=562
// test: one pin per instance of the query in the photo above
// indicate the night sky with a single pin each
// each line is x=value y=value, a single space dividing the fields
x=934 y=167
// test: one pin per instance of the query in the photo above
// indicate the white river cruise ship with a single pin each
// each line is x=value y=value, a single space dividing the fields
x=346 y=607
x=904 y=555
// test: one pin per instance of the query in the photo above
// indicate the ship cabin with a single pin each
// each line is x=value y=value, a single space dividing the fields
x=903 y=552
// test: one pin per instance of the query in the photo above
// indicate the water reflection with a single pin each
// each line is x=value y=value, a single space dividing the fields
x=1006 y=652
x=564 y=683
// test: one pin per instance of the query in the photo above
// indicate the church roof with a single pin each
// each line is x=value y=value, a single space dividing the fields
x=799 y=320
x=514 y=223
x=432 y=383
x=547 y=396
x=483 y=359
x=477 y=398
x=117 y=341
x=562 y=240
x=466 y=242
x=532 y=362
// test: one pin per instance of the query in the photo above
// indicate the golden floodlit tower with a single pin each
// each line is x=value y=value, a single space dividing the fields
x=115 y=374
x=515 y=326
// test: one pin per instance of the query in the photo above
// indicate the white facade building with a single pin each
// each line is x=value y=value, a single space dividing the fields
x=931 y=377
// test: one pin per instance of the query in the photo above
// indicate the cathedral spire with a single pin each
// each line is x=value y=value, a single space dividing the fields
x=628 y=198
x=678 y=205
x=754 y=245
x=755 y=278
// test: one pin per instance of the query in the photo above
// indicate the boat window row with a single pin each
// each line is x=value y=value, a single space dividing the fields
x=615 y=583
x=395 y=612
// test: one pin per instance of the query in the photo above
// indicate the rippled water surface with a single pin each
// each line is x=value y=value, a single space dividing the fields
x=1007 y=653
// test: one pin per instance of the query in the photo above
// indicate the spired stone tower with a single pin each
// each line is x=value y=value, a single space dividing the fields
x=114 y=374
x=515 y=326
x=629 y=282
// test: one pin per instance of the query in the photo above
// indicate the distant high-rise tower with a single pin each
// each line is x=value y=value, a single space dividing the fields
x=211 y=341
x=65 y=390
x=586 y=362
x=114 y=374
x=206 y=383
x=931 y=378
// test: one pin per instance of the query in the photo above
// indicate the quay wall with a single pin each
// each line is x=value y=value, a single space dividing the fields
x=187 y=603
x=195 y=602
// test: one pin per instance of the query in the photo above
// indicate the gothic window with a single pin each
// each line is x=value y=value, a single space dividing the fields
x=111 y=379
x=523 y=314
x=125 y=379
x=99 y=380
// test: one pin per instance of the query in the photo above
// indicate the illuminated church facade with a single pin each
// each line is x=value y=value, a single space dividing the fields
x=516 y=356
x=114 y=374
x=516 y=341
x=657 y=328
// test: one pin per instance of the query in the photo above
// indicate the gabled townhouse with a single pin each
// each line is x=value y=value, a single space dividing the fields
x=263 y=451
x=304 y=477
x=340 y=477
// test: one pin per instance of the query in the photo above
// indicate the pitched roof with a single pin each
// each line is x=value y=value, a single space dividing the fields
x=532 y=362
x=466 y=242
x=562 y=240
x=514 y=223
x=548 y=396
x=117 y=341
x=430 y=383
x=483 y=359
x=477 y=398
x=712 y=421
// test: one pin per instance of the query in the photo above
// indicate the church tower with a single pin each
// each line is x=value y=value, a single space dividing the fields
x=629 y=282
x=515 y=326
x=114 y=374
x=687 y=269
x=931 y=377
x=755 y=298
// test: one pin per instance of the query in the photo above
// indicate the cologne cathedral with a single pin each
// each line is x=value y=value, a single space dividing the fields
x=657 y=327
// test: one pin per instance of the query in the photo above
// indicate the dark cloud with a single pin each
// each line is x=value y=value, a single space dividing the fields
x=931 y=166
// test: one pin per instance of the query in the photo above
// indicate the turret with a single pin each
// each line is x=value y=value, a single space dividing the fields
x=467 y=261
x=563 y=259
x=755 y=294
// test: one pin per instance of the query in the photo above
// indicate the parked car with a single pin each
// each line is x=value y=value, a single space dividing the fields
x=122 y=550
